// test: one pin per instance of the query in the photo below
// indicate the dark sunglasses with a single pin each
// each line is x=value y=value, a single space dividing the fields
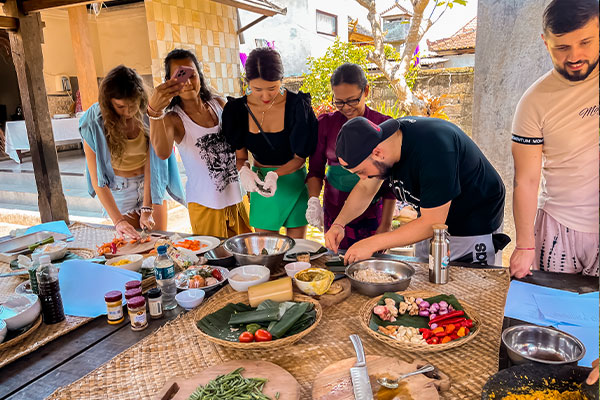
x=352 y=102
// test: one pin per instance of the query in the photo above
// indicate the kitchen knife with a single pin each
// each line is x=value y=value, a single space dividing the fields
x=358 y=373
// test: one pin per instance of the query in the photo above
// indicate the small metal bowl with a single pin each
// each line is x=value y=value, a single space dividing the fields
x=247 y=249
x=221 y=257
x=540 y=344
x=402 y=270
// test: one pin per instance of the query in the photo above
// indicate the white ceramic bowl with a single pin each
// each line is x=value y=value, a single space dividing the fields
x=134 y=265
x=56 y=250
x=190 y=298
x=248 y=275
x=3 y=330
x=292 y=268
x=20 y=310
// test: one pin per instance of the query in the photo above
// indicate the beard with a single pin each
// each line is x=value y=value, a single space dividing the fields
x=576 y=76
x=383 y=169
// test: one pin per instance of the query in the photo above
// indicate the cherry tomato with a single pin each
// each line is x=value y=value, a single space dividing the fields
x=217 y=274
x=246 y=337
x=263 y=335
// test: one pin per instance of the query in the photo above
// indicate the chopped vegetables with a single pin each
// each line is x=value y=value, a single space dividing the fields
x=232 y=386
x=111 y=247
x=193 y=245
x=122 y=262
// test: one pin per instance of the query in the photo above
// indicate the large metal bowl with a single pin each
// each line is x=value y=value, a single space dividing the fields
x=221 y=257
x=247 y=248
x=527 y=343
x=401 y=269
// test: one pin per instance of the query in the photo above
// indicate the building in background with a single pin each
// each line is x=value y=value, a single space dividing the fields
x=455 y=51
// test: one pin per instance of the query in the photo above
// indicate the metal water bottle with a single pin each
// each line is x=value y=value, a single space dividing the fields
x=439 y=255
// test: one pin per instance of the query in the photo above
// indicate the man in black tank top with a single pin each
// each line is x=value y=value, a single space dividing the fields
x=432 y=165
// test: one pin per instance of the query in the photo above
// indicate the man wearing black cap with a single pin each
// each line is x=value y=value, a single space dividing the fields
x=432 y=165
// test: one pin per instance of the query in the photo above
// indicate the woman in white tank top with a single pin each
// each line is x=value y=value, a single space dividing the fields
x=192 y=123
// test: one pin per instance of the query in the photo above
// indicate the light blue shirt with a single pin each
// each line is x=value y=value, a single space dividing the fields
x=164 y=174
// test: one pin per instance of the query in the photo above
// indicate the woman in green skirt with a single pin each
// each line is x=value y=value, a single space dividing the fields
x=279 y=128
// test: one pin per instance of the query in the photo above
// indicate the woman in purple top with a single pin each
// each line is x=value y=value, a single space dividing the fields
x=350 y=90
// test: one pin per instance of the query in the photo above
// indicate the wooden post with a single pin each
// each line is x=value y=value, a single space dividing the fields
x=84 y=57
x=26 y=48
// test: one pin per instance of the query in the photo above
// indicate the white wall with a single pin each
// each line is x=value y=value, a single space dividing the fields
x=459 y=61
x=295 y=34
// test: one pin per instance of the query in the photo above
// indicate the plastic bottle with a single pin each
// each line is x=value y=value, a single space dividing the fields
x=164 y=272
x=52 y=306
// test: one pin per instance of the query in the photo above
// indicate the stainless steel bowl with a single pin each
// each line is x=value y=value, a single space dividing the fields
x=526 y=343
x=402 y=270
x=247 y=248
x=221 y=257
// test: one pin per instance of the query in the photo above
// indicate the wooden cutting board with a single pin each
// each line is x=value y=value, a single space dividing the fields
x=135 y=248
x=327 y=300
x=279 y=380
x=334 y=382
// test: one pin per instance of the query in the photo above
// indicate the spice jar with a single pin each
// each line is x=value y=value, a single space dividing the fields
x=155 y=303
x=136 y=307
x=114 y=307
x=133 y=285
x=303 y=256
x=131 y=293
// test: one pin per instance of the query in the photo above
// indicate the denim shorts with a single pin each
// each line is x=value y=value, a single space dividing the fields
x=128 y=194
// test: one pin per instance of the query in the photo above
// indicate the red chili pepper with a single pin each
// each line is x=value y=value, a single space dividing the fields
x=455 y=321
x=434 y=340
x=468 y=323
x=427 y=334
x=450 y=315
x=113 y=247
x=454 y=336
x=217 y=274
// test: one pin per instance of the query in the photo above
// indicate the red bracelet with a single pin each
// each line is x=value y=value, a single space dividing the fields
x=524 y=248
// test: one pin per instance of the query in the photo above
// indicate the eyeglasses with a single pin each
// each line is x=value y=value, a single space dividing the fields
x=352 y=102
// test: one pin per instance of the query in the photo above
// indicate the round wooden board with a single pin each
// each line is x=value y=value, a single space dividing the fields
x=279 y=380
x=327 y=300
x=334 y=382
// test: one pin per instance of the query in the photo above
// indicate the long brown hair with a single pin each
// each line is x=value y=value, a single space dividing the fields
x=121 y=83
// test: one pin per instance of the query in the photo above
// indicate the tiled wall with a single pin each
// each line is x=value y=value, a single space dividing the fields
x=205 y=27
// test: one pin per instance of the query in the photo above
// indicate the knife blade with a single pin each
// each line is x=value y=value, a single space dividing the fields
x=358 y=373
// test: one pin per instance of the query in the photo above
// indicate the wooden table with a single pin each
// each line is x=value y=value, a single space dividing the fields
x=79 y=352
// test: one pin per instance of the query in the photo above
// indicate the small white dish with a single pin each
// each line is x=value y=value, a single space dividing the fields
x=3 y=330
x=20 y=310
x=190 y=298
x=292 y=268
x=206 y=243
x=241 y=278
x=303 y=245
x=24 y=288
x=135 y=262
x=55 y=250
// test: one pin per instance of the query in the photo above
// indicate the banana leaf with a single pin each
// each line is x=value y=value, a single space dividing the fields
x=414 y=321
x=217 y=323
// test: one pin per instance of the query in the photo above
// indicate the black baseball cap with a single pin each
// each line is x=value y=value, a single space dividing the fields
x=359 y=136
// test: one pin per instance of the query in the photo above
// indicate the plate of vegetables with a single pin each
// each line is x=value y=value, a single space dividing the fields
x=198 y=244
x=420 y=321
x=203 y=277
x=270 y=325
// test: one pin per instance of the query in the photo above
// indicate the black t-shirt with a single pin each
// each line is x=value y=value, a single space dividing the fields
x=440 y=163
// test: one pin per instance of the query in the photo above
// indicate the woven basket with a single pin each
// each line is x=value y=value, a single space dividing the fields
x=367 y=310
x=242 y=297
x=22 y=336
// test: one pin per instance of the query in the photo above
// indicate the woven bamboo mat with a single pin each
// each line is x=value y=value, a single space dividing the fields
x=84 y=243
x=176 y=350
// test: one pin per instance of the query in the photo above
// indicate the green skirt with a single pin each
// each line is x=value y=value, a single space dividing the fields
x=286 y=208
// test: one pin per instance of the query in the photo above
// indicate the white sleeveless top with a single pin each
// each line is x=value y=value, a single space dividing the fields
x=209 y=161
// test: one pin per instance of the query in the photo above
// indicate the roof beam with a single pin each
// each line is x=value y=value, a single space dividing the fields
x=29 y=6
x=251 y=24
x=254 y=6
x=9 y=23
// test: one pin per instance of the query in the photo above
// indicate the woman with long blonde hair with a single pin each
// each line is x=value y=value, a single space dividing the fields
x=121 y=166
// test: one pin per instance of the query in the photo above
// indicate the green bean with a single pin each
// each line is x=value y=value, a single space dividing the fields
x=232 y=386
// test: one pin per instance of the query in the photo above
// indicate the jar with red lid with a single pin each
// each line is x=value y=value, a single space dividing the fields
x=133 y=285
x=136 y=307
x=131 y=293
x=114 y=306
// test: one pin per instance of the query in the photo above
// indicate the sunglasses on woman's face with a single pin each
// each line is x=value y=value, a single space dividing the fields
x=352 y=102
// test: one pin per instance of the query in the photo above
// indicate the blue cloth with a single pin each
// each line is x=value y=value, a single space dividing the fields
x=54 y=226
x=164 y=174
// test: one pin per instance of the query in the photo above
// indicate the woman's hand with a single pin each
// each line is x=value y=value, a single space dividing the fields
x=163 y=94
x=146 y=221
x=334 y=236
x=124 y=229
